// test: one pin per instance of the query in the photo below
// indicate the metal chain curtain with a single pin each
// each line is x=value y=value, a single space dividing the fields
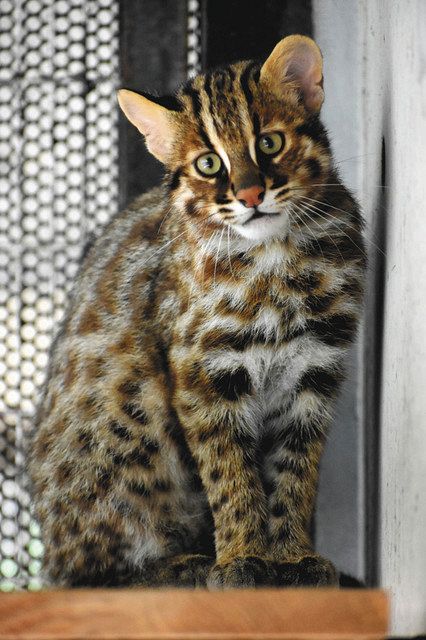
x=194 y=44
x=58 y=185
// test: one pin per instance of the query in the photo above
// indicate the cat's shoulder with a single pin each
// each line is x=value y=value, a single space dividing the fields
x=151 y=200
x=141 y=218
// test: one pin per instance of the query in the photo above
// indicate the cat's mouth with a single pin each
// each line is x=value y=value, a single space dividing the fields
x=257 y=215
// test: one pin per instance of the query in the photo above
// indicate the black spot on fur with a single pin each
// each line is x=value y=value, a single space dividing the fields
x=215 y=507
x=151 y=446
x=215 y=475
x=283 y=532
x=279 y=181
x=174 y=179
x=209 y=432
x=268 y=486
x=118 y=459
x=315 y=130
x=129 y=388
x=305 y=282
x=237 y=341
x=105 y=529
x=86 y=441
x=319 y=304
x=298 y=437
x=313 y=167
x=320 y=381
x=140 y=458
x=273 y=415
x=278 y=510
x=245 y=440
x=335 y=330
x=232 y=385
x=175 y=432
x=250 y=535
x=295 y=332
x=135 y=413
x=64 y=472
x=224 y=499
x=290 y=465
x=103 y=479
x=190 y=208
x=163 y=486
x=339 y=249
x=139 y=488
x=120 y=431
x=220 y=450
x=196 y=484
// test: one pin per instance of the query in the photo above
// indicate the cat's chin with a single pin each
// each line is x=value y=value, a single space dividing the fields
x=263 y=229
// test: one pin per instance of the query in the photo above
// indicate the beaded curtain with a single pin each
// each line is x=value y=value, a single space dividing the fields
x=58 y=185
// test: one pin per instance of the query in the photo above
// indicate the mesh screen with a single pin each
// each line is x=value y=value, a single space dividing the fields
x=58 y=185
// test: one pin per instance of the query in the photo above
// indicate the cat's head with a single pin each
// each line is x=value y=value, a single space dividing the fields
x=243 y=143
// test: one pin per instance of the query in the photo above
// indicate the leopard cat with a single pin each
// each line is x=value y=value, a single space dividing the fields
x=193 y=379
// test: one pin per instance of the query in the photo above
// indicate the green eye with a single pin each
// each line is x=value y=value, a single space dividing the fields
x=270 y=143
x=208 y=164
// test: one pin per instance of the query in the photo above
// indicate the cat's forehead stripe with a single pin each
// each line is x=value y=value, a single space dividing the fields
x=251 y=72
x=197 y=105
x=221 y=105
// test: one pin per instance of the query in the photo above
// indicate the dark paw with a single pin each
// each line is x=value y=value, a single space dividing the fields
x=311 y=571
x=242 y=573
x=188 y=571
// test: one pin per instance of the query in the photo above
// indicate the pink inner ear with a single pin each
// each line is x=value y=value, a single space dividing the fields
x=304 y=69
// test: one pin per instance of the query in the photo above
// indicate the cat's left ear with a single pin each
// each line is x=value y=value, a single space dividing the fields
x=153 y=120
x=297 y=60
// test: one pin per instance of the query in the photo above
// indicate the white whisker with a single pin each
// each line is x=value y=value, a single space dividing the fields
x=217 y=256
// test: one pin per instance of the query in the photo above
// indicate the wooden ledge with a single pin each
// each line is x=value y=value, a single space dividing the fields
x=137 y=614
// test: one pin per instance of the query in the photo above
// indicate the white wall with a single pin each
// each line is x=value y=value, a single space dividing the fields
x=390 y=40
x=396 y=106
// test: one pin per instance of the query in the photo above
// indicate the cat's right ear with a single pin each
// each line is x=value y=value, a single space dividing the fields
x=154 y=121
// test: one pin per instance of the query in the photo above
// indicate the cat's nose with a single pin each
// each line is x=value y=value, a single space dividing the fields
x=252 y=196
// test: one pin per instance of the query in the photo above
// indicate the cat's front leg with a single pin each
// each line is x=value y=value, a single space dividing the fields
x=214 y=410
x=290 y=470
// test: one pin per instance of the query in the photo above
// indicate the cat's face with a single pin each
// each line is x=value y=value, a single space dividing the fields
x=243 y=144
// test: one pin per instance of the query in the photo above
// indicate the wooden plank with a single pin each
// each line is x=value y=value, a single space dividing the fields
x=296 y=614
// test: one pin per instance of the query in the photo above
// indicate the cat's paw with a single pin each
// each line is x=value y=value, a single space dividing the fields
x=188 y=571
x=241 y=573
x=311 y=571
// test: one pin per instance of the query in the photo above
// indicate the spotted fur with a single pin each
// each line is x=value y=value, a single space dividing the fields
x=193 y=380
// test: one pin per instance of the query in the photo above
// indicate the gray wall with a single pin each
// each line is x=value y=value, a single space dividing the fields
x=381 y=82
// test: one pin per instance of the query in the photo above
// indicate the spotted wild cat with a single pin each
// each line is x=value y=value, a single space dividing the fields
x=192 y=382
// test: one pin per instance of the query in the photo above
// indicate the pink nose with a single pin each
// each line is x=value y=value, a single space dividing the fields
x=252 y=196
